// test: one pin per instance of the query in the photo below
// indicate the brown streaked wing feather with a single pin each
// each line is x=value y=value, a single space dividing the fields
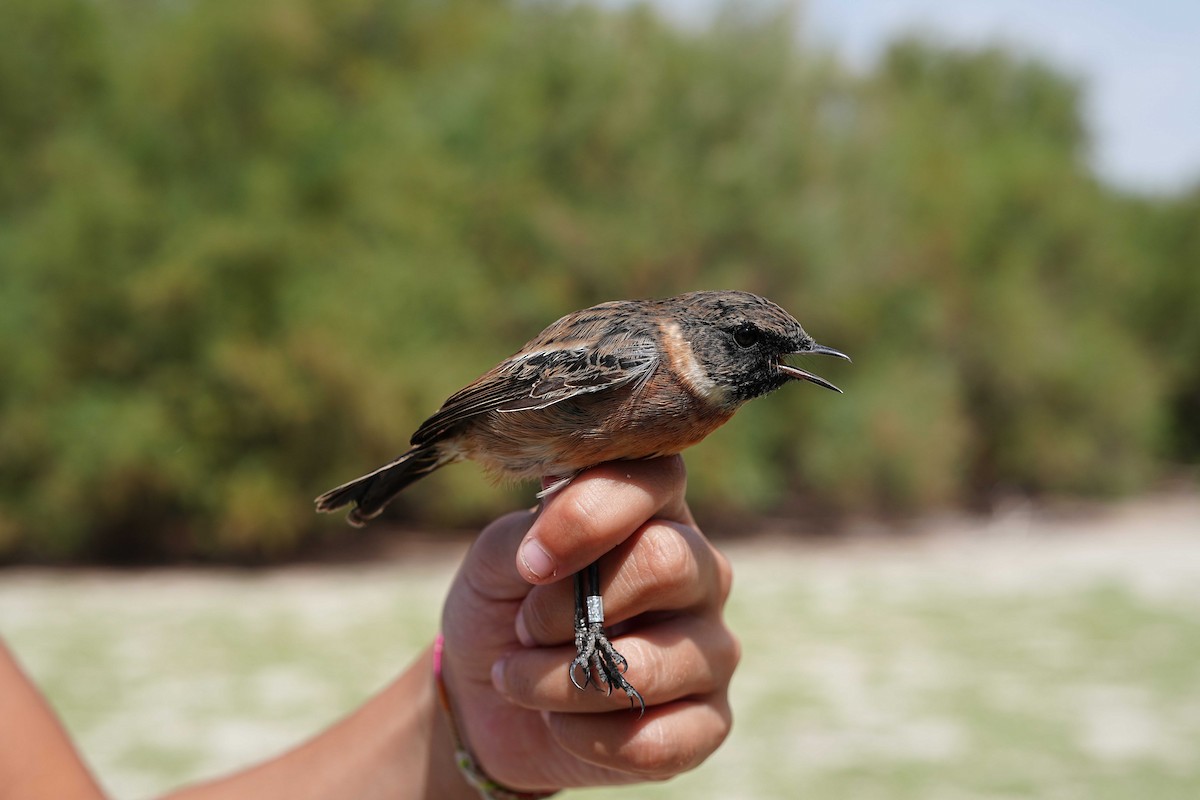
x=537 y=379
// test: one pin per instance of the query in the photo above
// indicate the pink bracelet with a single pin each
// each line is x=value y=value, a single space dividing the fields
x=472 y=772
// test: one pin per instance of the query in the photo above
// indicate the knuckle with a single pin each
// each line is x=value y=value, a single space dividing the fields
x=670 y=481
x=658 y=755
x=717 y=656
x=583 y=516
x=674 y=475
x=728 y=655
x=660 y=752
x=663 y=480
x=666 y=560
x=723 y=727
x=724 y=569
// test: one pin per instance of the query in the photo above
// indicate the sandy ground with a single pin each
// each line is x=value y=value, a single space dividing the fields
x=1151 y=545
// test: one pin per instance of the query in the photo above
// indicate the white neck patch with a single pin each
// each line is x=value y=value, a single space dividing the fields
x=688 y=368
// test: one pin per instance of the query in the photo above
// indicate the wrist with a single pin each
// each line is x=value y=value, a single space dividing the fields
x=443 y=779
x=469 y=768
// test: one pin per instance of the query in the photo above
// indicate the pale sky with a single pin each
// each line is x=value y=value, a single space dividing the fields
x=1139 y=61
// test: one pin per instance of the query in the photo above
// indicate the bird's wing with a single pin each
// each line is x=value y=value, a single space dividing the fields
x=542 y=377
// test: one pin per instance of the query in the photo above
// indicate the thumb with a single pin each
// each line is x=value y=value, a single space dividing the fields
x=490 y=566
x=481 y=607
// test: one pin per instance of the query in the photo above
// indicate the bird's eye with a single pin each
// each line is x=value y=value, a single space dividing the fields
x=745 y=337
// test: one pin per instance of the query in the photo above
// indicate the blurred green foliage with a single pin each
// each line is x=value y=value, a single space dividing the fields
x=247 y=248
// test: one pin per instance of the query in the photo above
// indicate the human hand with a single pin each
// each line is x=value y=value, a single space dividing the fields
x=508 y=627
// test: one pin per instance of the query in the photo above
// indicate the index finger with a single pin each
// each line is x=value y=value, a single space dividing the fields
x=598 y=510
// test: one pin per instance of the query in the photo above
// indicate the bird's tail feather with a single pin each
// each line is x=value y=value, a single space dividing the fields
x=373 y=491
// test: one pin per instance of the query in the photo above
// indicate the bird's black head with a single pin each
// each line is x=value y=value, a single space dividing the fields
x=738 y=341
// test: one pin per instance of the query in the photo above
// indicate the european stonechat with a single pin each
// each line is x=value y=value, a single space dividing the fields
x=629 y=379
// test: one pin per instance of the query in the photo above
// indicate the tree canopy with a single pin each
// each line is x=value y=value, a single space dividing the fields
x=246 y=248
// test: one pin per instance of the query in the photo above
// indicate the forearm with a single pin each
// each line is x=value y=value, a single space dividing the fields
x=37 y=758
x=395 y=746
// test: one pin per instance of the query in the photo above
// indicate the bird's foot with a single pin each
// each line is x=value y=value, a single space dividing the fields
x=601 y=665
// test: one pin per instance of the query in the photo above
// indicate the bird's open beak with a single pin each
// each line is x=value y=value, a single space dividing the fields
x=799 y=374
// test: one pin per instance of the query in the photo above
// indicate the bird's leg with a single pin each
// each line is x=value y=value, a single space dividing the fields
x=583 y=646
x=595 y=657
x=550 y=485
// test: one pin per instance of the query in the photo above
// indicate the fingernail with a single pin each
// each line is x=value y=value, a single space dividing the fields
x=523 y=635
x=537 y=561
x=498 y=675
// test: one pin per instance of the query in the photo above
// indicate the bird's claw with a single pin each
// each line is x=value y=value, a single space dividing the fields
x=601 y=665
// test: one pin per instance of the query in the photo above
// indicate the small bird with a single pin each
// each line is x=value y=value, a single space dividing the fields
x=624 y=380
